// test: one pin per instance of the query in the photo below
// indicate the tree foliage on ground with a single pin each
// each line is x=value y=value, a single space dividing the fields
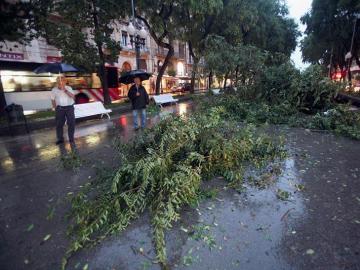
x=84 y=32
x=329 y=30
x=161 y=174
x=284 y=95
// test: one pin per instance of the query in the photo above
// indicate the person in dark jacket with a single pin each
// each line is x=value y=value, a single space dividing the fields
x=139 y=99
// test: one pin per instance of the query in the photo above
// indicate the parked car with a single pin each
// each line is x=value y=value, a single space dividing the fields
x=182 y=87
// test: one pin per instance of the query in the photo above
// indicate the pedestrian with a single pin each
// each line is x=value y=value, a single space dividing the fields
x=63 y=99
x=139 y=99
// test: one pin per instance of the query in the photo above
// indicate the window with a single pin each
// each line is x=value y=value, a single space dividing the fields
x=132 y=42
x=124 y=38
x=25 y=81
x=182 y=50
x=143 y=44
x=18 y=81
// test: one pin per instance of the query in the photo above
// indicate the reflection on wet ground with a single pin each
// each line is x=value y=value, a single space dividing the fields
x=20 y=152
x=318 y=227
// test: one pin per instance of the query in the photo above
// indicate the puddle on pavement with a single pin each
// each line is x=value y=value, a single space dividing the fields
x=20 y=152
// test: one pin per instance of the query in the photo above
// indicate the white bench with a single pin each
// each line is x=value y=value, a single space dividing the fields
x=90 y=109
x=215 y=91
x=165 y=98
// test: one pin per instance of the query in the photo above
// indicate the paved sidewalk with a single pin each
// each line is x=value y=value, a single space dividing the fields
x=318 y=227
x=21 y=151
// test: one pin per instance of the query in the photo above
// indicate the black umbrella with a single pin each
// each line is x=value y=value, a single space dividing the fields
x=56 y=68
x=128 y=77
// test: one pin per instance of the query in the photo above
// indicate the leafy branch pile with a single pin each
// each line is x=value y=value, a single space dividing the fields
x=283 y=95
x=162 y=171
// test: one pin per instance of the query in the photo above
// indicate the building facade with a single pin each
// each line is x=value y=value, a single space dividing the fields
x=17 y=61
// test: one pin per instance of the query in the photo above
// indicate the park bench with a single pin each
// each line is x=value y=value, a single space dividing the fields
x=215 y=91
x=163 y=99
x=90 y=109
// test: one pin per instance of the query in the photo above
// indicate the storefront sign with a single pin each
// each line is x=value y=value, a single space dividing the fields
x=11 y=56
x=53 y=59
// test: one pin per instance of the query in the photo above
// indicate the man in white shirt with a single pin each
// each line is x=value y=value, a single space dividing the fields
x=63 y=99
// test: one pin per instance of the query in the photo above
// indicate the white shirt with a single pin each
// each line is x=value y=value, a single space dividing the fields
x=60 y=97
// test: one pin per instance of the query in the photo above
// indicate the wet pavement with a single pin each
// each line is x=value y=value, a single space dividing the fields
x=318 y=227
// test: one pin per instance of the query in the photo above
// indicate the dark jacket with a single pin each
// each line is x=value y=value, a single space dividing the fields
x=138 y=102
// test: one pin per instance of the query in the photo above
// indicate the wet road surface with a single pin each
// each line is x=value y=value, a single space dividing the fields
x=318 y=227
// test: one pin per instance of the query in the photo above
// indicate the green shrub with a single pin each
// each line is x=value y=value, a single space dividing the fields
x=277 y=83
x=313 y=91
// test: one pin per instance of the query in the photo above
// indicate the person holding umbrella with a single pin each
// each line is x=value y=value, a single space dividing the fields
x=63 y=99
x=139 y=99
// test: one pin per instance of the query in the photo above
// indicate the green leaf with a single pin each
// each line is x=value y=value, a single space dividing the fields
x=30 y=227
x=47 y=237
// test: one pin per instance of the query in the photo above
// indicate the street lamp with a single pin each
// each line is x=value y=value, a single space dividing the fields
x=137 y=37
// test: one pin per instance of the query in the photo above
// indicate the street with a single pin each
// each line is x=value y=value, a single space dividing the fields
x=317 y=227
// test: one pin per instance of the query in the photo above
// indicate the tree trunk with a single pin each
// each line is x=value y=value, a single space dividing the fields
x=159 y=41
x=163 y=68
x=104 y=83
x=210 y=79
x=331 y=60
x=2 y=99
x=193 y=75
x=225 y=79
x=102 y=70
x=236 y=75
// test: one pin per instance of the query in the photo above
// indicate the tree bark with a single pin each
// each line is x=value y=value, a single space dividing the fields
x=160 y=42
x=225 y=79
x=331 y=60
x=104 y=83
x=2 y=99
x=163 y=68
x=210 y=79
x=194 y=68
x=236 y=75
x=102 y=70
x=193 y=76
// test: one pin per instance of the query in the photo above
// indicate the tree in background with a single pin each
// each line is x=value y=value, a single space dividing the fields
x=196 y=20
x=16 y=22
x=83 y=31
x=272 y=30
x=246 y=37
x=158 y=17
x=240 y=63
x=329 y=33
x=260 y=23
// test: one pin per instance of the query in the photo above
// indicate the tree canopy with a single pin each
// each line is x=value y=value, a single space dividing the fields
x=329 y=31
x=84 y=32
x=15 y=20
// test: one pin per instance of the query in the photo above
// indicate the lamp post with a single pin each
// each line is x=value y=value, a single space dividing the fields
x=137 y=37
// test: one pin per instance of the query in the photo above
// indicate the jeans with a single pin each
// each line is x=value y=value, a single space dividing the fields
x=143 y=117
x=62 y=114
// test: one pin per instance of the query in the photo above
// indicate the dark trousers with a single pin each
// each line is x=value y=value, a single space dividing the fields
x=65 y=113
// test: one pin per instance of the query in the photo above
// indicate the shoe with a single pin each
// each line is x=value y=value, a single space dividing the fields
x=136 y=129
x=59 y=142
